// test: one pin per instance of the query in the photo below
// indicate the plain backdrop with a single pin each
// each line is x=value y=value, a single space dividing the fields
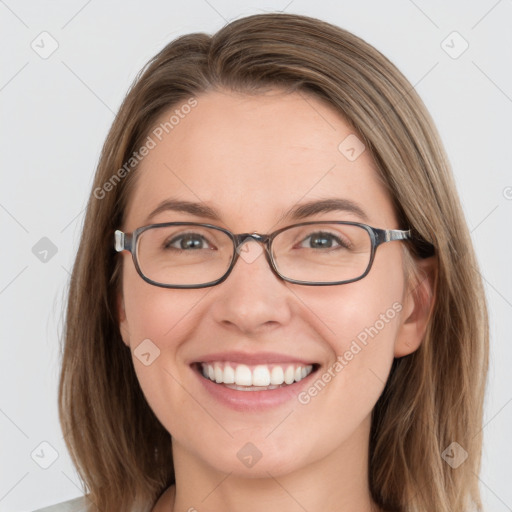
x=55 y=113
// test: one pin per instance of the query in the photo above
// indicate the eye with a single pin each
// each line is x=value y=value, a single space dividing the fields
x=187 y=241
x=323 y=240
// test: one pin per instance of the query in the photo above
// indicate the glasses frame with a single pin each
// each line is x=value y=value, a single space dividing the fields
x=128 y=242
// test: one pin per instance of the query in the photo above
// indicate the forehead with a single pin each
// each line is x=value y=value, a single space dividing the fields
x=253 y=157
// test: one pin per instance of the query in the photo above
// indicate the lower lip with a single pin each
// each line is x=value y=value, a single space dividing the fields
x=253 y=400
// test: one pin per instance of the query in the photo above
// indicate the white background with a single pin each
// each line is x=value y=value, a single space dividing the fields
x=56 y=113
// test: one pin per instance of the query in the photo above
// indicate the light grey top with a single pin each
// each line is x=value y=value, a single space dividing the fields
x=76 y=505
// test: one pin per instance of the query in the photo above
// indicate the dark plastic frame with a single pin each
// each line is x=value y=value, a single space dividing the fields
x=128 y=242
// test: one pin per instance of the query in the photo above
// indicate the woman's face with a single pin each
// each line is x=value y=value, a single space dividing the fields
x=251 y=159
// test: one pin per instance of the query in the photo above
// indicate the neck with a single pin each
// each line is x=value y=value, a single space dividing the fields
x=338 y=482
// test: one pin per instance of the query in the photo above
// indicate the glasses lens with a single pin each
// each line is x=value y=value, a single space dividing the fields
x=322 y=253
x=184 y=255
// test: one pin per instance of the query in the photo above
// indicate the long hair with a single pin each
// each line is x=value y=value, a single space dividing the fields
x=433 y=397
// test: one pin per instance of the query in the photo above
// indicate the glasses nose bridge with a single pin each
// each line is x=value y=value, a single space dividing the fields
x=242 y=238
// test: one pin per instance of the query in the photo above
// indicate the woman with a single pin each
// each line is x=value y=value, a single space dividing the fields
x=337 y=364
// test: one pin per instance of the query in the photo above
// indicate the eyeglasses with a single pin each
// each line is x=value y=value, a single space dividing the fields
x=195 y=255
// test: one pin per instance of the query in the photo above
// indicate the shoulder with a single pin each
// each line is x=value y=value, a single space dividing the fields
x=75 y=505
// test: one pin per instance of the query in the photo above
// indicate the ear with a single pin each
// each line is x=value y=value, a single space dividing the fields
x=123 y=322
x=418 y=304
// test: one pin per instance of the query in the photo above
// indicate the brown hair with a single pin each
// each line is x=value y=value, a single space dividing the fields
x=433 y=397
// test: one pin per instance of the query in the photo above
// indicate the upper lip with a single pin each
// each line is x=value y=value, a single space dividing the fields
x=252 y=358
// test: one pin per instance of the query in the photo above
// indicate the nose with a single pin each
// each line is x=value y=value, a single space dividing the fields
x=252 y=298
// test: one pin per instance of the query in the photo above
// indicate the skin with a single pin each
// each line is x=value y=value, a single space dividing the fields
x=252 y=157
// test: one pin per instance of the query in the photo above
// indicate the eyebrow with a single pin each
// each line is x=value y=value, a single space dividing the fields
x=297 y=212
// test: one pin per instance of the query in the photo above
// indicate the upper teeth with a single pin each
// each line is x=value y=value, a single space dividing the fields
x=259 y=375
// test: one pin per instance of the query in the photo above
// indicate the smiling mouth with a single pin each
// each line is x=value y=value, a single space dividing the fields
x=261 y=377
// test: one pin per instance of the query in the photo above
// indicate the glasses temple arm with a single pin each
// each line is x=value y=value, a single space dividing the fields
x=389 y=235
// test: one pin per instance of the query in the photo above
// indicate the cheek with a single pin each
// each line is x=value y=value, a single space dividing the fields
x=364 y=349
x=366 y=324
x=366 y=310
x=359 y=323
x=158 y=322
x=156 y=313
